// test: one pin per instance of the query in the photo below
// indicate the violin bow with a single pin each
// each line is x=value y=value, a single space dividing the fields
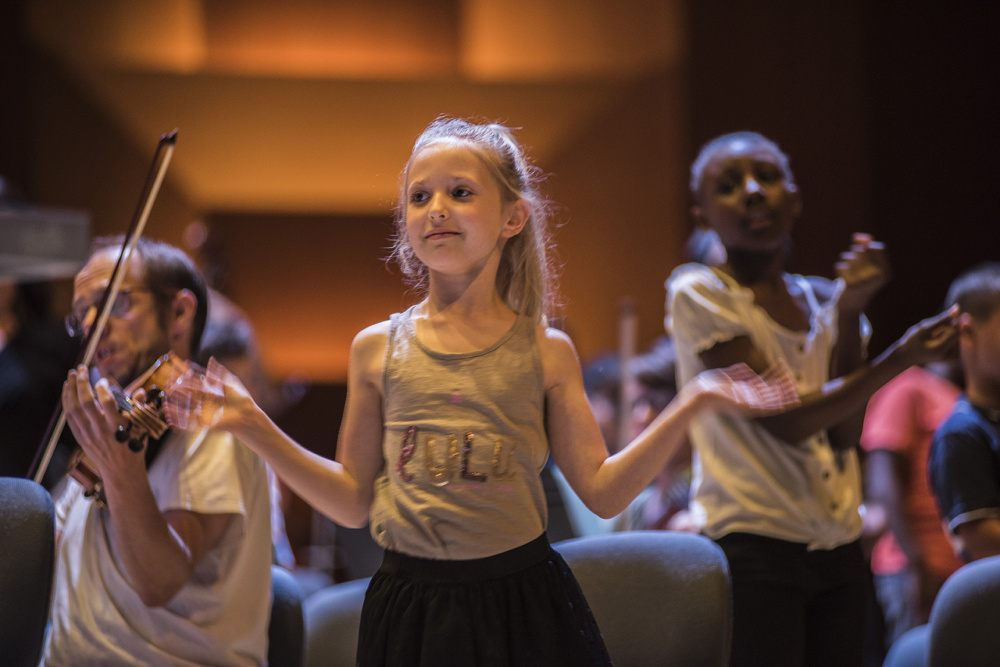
x=151 y=187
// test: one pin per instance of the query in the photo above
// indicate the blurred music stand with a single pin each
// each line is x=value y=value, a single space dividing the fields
x=38 y=243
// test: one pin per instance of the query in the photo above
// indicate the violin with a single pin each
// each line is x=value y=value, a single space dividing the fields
x=154 y=178
x=145 y=420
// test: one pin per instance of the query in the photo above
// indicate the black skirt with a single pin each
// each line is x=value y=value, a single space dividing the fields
x=520 y=607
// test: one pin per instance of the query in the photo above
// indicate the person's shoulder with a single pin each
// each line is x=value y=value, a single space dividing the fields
x=374 y=334
x=697 y=283
x=936 y=393
x=694 y=274
x=558 y=354
x=551 y=339
x=964 y=424
x=824 y=288
x=913 y=381
x=368 y=346
x=380 y=329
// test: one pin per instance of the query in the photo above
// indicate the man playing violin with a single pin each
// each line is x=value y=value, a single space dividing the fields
x=173 y=567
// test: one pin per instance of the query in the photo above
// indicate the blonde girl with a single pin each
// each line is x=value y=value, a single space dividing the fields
x=453 y=408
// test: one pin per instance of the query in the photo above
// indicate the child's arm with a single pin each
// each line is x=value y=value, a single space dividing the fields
x=341 y=489
x=838 y=399
x=608 y=484
x=886 y=477
x=864 y=270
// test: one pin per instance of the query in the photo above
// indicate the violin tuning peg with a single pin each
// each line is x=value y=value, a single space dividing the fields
x=155 y=396
x=122 y=434
x=136 y=444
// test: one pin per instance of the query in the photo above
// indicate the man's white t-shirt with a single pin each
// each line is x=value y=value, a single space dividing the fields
x=220 y=617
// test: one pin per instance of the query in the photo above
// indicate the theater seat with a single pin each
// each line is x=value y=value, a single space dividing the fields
x=909 y=649
x=965 y=619
x=333 y=618
x=659 y=597
x=27 y=558
x=286 y=630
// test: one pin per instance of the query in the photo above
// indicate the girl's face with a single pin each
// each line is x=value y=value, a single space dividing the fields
x=746 y=197
x=456 y=220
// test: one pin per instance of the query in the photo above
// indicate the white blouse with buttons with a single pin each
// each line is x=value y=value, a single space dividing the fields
x=745 y=479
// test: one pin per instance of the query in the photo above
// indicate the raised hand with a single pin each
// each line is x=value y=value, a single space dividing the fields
x=739 y=389
x=932 y=339
x=864 y=268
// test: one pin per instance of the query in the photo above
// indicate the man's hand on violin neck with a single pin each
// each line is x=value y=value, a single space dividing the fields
x=92 y=414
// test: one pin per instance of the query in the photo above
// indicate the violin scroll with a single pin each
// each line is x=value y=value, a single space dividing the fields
x=144 y=419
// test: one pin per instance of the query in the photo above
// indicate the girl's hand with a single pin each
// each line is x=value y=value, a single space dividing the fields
x=933 y=339
x=864 y=268
x=740 y=390
x=212 y=397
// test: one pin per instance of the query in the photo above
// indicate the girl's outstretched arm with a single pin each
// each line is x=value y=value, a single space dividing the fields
x=341 y=489
x=608 y=484
x=929 y=340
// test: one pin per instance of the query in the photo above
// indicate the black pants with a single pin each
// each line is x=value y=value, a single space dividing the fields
x=793 y=607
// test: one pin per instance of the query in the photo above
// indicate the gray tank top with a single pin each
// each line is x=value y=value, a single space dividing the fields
x=464 y=445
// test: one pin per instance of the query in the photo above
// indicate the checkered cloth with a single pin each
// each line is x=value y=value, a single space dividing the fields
x=196 y=397
x=772 y=391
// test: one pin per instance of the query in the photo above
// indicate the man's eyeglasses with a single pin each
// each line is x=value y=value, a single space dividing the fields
x=122 y=304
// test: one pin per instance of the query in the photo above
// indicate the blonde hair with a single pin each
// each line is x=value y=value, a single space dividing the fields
x=525 y=278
